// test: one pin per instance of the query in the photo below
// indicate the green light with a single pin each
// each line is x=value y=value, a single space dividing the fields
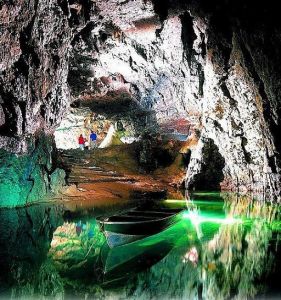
x=193 y=201
x=206 y=193
x=174 y=201
x=197 y=219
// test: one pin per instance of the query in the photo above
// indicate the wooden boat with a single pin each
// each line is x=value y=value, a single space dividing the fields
x=136 y=224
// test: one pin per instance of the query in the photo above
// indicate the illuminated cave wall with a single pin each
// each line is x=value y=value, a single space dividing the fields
x=217 y=65
x=209 y=64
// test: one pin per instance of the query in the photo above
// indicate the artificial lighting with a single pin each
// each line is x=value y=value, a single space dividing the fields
x=197 y=219
x=192 y=202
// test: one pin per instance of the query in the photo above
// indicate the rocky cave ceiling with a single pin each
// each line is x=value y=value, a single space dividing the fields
x=216 y=63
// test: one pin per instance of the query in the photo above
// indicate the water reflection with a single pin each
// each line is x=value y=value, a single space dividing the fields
x=25 y=236
x=225 y=246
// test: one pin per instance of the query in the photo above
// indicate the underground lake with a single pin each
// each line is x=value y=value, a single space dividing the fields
x=224 y=245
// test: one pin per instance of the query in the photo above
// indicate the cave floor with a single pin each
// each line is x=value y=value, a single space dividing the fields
x=114 y=174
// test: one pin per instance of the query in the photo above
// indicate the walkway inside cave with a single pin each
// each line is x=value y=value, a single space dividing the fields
x=115 y=173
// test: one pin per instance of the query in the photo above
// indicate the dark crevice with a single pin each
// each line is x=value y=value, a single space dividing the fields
x=188 y=36
x=81 y=14
x=63 y=4
x=247 y=155
x=21 y=67
x=211 y=174
x=10 y=126
x=203 y=45
x=140 y=50
x=84 y=33
x=22 y=106
x=161 y=7
x=217 y=125
x=28 y=50
x=186 y=158
x=226 y=93
x=201 y=76
x=271 y=162
x=56 y=60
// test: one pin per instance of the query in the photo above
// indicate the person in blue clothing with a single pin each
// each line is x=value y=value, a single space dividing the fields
x=93 y=140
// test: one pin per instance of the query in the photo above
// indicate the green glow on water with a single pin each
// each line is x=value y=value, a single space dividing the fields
x=225 y=246
x=197 y=218
x=193 y=202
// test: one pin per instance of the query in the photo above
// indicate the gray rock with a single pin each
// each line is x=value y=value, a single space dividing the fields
x=218 y=66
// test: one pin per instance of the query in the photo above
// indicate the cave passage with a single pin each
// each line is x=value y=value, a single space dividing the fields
x=140 y=149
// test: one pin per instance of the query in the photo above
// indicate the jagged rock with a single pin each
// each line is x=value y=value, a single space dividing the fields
x=210 y=164
x=30 y=177
x=191 y=66
x=217 y=65
x=35 y=41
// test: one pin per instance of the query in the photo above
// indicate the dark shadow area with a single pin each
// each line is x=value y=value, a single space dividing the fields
x=211 y=174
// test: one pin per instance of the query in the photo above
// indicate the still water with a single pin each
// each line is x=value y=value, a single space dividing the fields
x=225 y=246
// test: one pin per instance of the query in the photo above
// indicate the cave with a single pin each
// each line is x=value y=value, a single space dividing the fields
x=147 y=111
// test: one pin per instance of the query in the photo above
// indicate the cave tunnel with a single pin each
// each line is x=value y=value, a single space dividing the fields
x=143 y=111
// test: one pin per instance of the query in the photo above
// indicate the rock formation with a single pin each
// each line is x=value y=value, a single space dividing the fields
x=216 y=65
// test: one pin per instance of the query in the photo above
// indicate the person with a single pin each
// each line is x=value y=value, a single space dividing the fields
x=81 y=142
x=93 y=140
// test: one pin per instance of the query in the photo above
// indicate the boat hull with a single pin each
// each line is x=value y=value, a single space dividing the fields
x=118 y=239
x=121 y=233
x=141 y=228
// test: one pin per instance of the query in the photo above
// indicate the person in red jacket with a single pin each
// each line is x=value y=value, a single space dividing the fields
x=81 y=142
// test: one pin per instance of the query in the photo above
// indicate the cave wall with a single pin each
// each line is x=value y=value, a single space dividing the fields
x=33 y=176
x=240 y=106
x=35 y=41
x=216 y=64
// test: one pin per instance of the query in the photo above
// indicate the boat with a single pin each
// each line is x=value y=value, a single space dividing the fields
x=136 y=224
x=121 y=263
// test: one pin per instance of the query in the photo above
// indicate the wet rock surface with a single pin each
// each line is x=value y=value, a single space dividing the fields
x=35 y=176
x=202 y=65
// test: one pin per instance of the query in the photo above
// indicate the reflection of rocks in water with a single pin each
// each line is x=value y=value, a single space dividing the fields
x=75 y=250
x=244 y=205
x=25 y=237
x=169 y=279
x=238 y=261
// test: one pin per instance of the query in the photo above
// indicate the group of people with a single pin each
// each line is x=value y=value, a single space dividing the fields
x=84 y=143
